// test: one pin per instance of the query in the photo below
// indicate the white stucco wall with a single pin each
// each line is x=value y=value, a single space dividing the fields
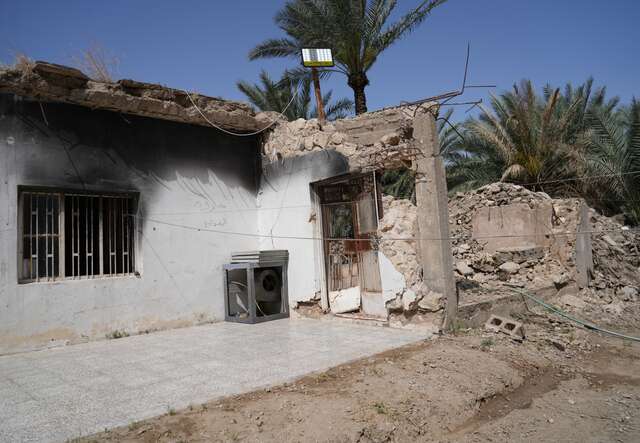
x=285 y=199
x=184 y=175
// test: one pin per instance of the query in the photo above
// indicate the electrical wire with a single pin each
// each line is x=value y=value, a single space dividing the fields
x=563 y=314
x=376 y=240
x=584 y=177
x=238 y=134
x=278 y=208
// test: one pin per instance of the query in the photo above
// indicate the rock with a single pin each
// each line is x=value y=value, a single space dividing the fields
x=432 y=302
x=510 y=267
x=608 y=240
x=483 y=263
x=573 y=301
x=394 y=305
x=392 y=139
x=629 y=293
x=615 y=308
x=321 y=140
x=518 y=255
x=557 y=344
x=308 y=143
x=345 y=300
x=297 y=125
x=337 y=138
x=560 y=280
x=464 y=269
x=409 y=300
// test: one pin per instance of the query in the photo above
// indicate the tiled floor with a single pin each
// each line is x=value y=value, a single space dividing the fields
x=58 y=394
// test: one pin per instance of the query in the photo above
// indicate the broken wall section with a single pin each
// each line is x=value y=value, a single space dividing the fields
x=293 y=153
x=376 y=140
x=412 y=301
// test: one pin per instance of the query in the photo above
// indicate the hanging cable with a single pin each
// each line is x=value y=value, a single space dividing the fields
x=238 y=134
x=563 y=314
x=377 y=240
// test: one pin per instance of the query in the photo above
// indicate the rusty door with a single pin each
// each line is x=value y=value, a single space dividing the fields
x=350 y=222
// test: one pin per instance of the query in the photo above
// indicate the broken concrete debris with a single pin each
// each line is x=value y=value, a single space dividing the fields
x=510 y=267
x=370 y=141
x=464 y=269
x=546 y=264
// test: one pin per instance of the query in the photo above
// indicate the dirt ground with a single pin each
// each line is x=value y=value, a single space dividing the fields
x=472 y=387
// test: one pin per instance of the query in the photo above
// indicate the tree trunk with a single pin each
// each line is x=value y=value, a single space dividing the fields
x=358 y=82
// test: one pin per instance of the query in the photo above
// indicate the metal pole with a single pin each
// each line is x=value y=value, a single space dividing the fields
x=316 y=86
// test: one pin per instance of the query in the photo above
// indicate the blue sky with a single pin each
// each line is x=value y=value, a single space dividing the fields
x=202 y=45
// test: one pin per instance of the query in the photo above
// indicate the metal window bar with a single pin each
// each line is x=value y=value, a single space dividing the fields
x=118 y=235
x=40 y=236
x=98 y=231
x=108 y=235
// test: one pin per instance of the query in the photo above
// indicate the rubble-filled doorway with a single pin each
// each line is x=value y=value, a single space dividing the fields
x=350 y=210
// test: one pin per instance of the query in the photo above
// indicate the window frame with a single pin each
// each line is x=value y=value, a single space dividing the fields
x=61 y=193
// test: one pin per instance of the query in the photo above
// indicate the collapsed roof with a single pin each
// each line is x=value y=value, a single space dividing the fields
x=50 y=82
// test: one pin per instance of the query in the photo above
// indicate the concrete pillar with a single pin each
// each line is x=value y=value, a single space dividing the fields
x=433 y=215
x=584 y=253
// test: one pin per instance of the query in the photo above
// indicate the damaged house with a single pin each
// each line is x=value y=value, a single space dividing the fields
x=120 y=204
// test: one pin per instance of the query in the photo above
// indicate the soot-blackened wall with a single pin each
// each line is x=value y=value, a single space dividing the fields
x=187 y=178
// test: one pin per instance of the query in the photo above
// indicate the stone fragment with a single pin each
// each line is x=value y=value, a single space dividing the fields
x=409 y=300
x=560 y=280
x=390 y=139
x=573 y=301
x=345 y=300
x=395 y=305
x=321 y=140
x=483 y=263
x=308 y=143
x=629 y=293
x=510 y=267
x=518 y=255
x=608 y=240
x=464 y=269
x=337 y=138
x=431 y=302
x=297 y=125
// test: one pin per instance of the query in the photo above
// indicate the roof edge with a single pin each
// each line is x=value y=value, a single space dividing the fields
x=50 y=82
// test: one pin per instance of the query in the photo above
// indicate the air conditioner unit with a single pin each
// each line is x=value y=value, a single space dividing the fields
x=255 y=285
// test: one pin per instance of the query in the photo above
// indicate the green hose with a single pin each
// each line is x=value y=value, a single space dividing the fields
x=561 y=313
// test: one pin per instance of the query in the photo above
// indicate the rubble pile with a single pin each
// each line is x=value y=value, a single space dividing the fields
x=616 y=256
x=615 y=248
x=546 y=266
x=536 y=266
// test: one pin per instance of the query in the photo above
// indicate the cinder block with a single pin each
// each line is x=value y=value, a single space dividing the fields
x=513 y=328
x=505 y=325
x=494 y=324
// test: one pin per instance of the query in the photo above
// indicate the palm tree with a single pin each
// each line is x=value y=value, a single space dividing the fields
x=356 y=30
x=612 y=158
x=527 y=138
x=275 y=96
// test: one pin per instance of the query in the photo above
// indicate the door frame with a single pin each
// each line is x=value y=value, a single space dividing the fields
x=319 y=234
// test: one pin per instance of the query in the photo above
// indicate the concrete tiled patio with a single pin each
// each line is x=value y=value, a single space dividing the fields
x=63 y=393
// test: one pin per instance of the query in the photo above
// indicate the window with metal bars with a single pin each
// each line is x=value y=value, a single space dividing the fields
x=73 y=236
